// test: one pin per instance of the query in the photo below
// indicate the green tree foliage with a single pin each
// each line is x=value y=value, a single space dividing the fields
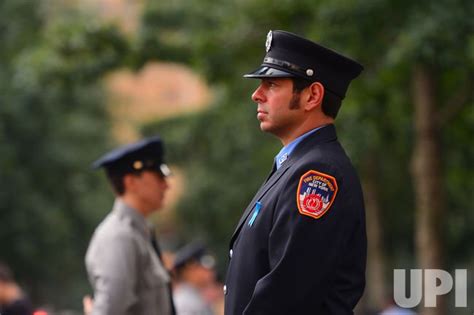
x=53 y=124
x=398 y=36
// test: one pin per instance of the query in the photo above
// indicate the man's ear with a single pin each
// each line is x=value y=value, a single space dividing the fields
x=315 y=96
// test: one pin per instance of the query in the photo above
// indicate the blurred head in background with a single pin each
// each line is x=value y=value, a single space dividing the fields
x=137 y=173
x=194 y=265
x=12 y=299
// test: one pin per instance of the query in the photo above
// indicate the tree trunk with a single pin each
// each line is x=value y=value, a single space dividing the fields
x=376 y=291
x=426 y=173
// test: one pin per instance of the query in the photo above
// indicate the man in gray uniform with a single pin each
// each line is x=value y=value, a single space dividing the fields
x=193 y=270
x=123 y=264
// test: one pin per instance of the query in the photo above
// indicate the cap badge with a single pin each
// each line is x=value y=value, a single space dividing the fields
x=138 y=165
x=268 y=43
x=309 y=72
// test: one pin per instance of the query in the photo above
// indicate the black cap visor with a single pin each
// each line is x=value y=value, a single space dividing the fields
x=268 y=72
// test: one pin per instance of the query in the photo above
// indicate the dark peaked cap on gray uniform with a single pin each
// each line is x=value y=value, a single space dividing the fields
x=289 y=55
x=147 y=154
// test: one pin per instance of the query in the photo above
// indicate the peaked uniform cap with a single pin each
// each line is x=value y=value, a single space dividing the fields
x=289 y=55
x=195 y=251
x=147 y=154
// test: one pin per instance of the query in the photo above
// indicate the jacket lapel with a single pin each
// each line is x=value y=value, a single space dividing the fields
x=271 y=180
x=325 y=134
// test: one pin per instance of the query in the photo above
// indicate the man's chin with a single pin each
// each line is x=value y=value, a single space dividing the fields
x=268 y=129
x=265 y=127
x=156 y=209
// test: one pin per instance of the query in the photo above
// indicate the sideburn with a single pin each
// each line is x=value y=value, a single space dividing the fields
x=295 y=100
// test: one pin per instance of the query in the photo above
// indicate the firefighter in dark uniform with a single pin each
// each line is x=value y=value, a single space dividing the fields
x=300 y=246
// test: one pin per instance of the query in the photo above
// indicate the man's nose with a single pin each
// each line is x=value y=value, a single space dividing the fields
x=258 y=96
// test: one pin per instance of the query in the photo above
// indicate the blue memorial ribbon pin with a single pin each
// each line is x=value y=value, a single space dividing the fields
x=258 y=206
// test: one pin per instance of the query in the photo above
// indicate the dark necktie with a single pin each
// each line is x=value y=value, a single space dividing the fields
x=274 y=169
x=156 y=247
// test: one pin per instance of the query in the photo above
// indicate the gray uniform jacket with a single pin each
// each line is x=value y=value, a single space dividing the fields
x=188 y=301
x=124 y=270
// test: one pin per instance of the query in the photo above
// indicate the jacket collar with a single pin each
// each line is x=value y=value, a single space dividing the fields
x=136 y=219
x=322 y=135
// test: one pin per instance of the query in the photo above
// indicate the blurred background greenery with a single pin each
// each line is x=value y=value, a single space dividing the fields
x=80 y=77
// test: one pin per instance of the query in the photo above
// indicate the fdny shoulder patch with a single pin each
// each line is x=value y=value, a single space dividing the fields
x=315 y=194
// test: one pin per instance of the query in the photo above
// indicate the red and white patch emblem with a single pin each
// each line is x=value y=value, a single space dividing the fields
x=316 y=193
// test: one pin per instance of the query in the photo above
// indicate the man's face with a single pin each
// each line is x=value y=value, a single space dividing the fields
x=278 y=107
x=150 y=188
x=198 y=275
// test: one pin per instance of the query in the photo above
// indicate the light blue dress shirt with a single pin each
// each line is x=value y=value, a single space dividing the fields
x=285 y=152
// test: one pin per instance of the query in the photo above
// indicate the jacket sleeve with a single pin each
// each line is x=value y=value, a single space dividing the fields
x=114 y=271
x=303 y=251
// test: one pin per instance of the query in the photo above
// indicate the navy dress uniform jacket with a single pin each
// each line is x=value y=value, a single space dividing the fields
x=284 y=262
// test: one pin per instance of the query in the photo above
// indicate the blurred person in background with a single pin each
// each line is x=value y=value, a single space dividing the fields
x=392 y=308
x=193 y=272
x=123 y=260
x=13 y=301
x=396 y=310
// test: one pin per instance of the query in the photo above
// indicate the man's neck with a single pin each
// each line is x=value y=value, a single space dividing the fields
x=304 y=128
x=135 y=203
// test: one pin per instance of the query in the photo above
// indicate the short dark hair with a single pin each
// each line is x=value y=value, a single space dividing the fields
x=331 y=102
x=5 y=273
x=116 y=181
